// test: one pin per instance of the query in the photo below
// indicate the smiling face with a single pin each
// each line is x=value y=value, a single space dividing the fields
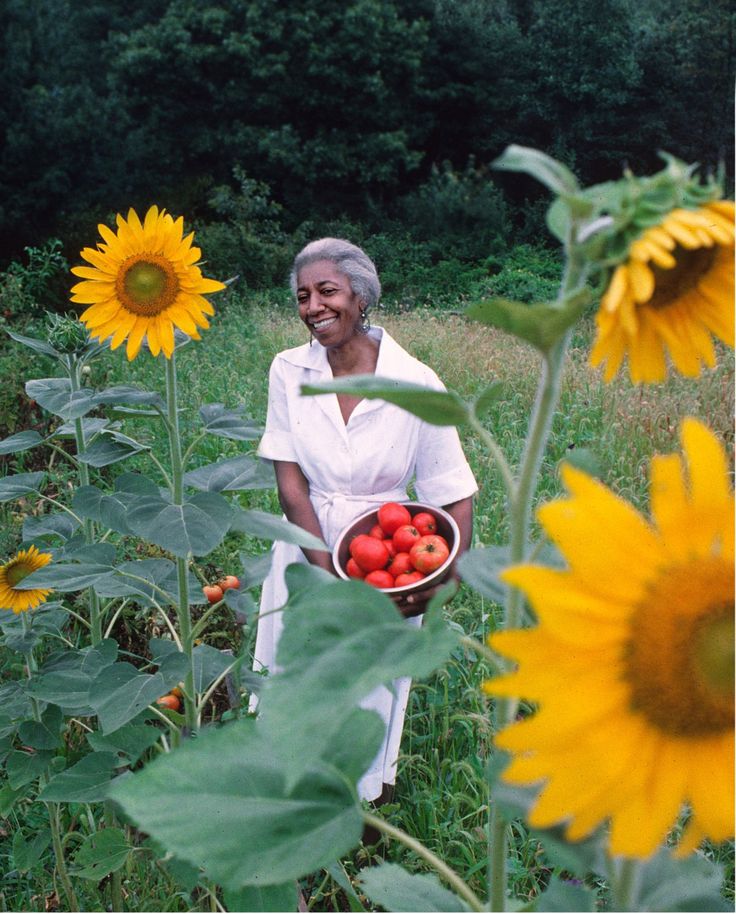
x=327 y=303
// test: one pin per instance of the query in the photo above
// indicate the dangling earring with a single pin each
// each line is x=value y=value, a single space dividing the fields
x=365 y=323
x=311 y=339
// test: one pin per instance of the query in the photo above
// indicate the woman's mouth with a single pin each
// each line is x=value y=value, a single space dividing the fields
x=321 y=325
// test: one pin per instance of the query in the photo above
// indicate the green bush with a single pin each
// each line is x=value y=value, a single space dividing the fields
x=28 y=289
x=528 y=274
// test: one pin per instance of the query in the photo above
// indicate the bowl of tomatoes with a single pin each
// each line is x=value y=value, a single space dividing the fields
x=400 y=548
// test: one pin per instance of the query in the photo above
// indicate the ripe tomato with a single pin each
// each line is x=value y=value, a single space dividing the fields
x=178 y=691
x=213 y=592
x=410 y=578
x=229 y=582
x=401 y=564
x=369 y=553
x=425 y=523
x=377 y=531
x=389 y=544
x=380 y=579
x=169 y=701
x=405 y=537
x=429 y=553
x=353 y=569
x=391 y=516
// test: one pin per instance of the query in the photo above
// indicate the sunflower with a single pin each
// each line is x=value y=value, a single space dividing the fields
x=631 y=665
x=143 y=282
x=19 y=567
x=673 y=291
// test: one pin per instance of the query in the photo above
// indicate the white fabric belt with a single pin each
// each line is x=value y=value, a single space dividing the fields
x=337 y=509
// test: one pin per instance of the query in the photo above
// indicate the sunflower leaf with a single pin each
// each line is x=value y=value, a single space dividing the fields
x=229 y=423
x=100 y=854
x=56 y=395
x=23 y=441
x=85 y=782
x=480 y=567
x=12 y=487
x=395 y=889
x=31 y=342
x=231 y=475
x=548 y=171
x=437 y=407
x=270 y=527
x=198 y=526
x=113 y=396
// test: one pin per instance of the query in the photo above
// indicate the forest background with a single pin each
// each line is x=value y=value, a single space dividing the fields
x=267 y=124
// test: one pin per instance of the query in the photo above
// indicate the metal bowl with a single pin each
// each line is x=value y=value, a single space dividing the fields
x=446 y=527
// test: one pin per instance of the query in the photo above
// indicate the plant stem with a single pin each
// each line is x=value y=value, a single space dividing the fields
x=95 y=622
x=496 y=859
x=460 y=887
x=625 y=875
x=116 y=881
x=182 y=564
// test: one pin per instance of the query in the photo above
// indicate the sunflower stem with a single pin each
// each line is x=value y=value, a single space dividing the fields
x=182 y=564
x=95 y=621
x=625 y=877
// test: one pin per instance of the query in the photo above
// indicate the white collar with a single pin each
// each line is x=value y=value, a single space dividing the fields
x=314 y=357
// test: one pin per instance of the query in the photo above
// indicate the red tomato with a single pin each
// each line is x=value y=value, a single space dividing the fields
x=169 y=701
x=369 y=553
x=400 y=565
x=377 y=531
x=389 y=544
x=410 y=578
x=405 y=537
x=229 y=582
x=354 y=570
x=429 y=553
x=391 y=516
x=380 y=579
x=213 y=592
x=425 y=523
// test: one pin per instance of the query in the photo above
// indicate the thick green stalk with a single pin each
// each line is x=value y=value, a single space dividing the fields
x=625 y=879
x=182 y=564
x=95 y=616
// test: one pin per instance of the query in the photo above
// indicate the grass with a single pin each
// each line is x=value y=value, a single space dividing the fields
x=441 y=793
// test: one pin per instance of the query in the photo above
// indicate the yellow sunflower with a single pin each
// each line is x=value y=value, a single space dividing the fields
x=143 y=282
x=632 y=662
x=675 y=289
x=11 y=574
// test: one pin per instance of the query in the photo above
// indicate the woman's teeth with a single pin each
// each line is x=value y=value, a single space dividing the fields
x=319 y=325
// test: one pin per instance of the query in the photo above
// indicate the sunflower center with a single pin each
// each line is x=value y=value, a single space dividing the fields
x=679 y=660
x=691 y=266
x=147 y=284
x=15 y=573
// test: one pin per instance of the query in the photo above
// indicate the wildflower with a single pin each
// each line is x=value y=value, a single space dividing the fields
x=143 y=282
x=672 y=292
x=19 y=567
x=631 y=664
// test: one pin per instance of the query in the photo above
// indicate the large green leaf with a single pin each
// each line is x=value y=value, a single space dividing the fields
x=65 y=678
x=235 y=474
x=542 y=325
x=56 y=395
x=62 y=525
x=196 y=527
x=44 y=733
x=263 y=898
x=120 y=692
x=553 y=174
x=100 y=854
x=480 y=568
x=668 y=884
x=107 y=509
x=565 y=896
x=209 y=663
x=12 y=487
x=229 y=423
x=15 y=444
x=255 y=569
x=111 y=449
x=222 y=802
x=394 y=889
x=341 y=640
x=90 y=428
x=23 y=767
x=127 y=394
x=271 y=527
x=40 y=346
x=26 y=854
x=129 y=742
x=49 y=619
x=146 y=579
x=65 y=577
x=86 y=782
x=435 y=406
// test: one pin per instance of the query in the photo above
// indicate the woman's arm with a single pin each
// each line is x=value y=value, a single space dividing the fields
x=293 y=490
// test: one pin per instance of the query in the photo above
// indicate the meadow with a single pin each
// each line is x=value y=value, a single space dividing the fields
x=441 y=797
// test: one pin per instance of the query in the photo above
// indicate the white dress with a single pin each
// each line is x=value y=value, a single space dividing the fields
x=350 y=468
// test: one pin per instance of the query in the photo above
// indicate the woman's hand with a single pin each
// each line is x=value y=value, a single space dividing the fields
x=416 y=603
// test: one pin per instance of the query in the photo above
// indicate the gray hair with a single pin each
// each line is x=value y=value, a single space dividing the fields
x=349 y=259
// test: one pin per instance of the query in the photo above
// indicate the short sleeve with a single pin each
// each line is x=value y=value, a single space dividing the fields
x=277 y=443
x=442 y=472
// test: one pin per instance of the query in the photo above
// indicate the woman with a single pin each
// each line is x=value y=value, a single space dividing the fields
x=336 y=456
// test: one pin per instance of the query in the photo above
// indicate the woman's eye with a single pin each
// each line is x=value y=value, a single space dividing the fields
x=328 y=291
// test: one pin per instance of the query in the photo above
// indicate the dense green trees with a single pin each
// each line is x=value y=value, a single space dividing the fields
x=341 y=107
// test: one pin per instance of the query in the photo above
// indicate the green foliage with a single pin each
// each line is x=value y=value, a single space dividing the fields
x=528 y=274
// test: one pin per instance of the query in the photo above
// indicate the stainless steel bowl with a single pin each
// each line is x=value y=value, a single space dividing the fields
x=446 y=527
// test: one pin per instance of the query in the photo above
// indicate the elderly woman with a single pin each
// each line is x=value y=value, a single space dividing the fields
x=336 y=456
